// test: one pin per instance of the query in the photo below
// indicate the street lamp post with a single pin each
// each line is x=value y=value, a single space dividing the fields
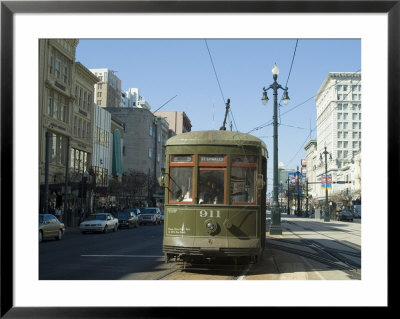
x=288 y=196
x=275 y=228
x=326 y=214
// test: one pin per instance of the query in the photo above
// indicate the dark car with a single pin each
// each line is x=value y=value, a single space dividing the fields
x=150 y=215
x=128 y=218
x=345 y=215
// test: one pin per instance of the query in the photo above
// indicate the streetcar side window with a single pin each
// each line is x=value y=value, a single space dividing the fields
x=243 y=180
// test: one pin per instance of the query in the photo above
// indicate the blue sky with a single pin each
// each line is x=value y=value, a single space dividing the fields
x=165 y=68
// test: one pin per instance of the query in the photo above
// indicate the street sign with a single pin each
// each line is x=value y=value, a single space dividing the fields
x=326 y=181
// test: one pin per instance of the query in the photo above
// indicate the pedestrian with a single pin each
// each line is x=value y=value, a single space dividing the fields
x=58 y=213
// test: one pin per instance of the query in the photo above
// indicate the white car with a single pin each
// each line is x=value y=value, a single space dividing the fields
x=100 y=222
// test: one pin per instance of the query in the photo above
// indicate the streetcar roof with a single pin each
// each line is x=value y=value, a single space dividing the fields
x=215 y=138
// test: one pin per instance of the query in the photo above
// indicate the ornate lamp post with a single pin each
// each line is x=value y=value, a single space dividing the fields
x=326 y=214
x=275 y=228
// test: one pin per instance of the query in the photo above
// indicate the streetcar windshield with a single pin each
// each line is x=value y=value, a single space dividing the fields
x=181 y=184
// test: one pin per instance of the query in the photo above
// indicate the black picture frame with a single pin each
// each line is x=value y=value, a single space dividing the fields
x=9 y=8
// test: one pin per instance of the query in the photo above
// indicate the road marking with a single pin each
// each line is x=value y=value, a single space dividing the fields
x=128 y=256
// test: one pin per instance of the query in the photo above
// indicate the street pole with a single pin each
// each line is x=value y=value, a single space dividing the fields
x=306 y=196
x=327 y=213
x=275 y=228
x=288 y=196
x=298 y=191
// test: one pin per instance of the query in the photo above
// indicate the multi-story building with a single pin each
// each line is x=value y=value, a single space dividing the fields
x=108 y=89
x=117 y=133
x=312 y=163
x=132 y=98
x=178 y=121
x=339 y=112
x=144 y=135
x=56 y=103
x=101 y=160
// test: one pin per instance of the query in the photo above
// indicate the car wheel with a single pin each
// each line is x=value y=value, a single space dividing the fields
x=115 y=227
x=60 y=234
x=40 y=236
x=105 y=229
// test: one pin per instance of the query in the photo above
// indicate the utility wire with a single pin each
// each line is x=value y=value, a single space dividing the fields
x=219 y=84
x=215 y=72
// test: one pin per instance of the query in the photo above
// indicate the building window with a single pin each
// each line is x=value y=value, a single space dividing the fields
x=339 y=144
x=50 y=106
x=345 y=144
x=345 y=124
x=100 y=86
x=151 y=130
x=51 y=64
x=150 y=152
x=65 y=74
x=99 y=94
x=55 y=109
x=339 y=134
x=339 y=125
x=339 y=154
x=344 y=87
x=58 y=68
x=339 y=107
x=345 y=135
x=98 y=102
x=339 y=116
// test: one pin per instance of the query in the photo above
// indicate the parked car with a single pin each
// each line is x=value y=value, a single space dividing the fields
x=150 y=215
x=50 y=227
x=345 y=215
x=128 y=218
x=100 y=222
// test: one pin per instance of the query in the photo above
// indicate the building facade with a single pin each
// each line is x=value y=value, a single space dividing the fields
x=144 y=140
x=56 y=103
x=108 y=89
x=178 y=121
x=339 y=117
x=132 y=98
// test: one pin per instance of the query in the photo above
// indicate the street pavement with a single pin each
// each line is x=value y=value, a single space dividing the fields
x=307 y=235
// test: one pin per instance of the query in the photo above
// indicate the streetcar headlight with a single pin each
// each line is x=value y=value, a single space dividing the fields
x=210 y=226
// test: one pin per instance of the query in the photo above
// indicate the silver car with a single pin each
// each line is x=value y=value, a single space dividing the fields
x=150 y=215
x=50 y=227
x=100 y=222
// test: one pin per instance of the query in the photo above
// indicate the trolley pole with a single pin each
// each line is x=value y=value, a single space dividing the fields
x=275 y=228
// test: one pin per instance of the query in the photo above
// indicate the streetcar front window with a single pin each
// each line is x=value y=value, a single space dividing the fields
x=211 y=185
x=181 y=184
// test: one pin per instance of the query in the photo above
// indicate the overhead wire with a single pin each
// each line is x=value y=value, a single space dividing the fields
x=219 y=85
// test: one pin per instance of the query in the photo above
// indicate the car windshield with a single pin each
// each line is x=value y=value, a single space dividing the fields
x=147 y=210
x=41 y=219
x=97 y=217
x=123 y=215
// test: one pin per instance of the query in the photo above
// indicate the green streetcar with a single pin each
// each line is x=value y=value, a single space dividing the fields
x=215 y=196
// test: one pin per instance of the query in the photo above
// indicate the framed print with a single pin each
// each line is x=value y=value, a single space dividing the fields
x=24 y=23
